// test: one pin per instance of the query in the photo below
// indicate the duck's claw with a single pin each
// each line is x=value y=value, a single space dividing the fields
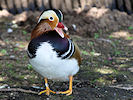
x=68 y=92
x=47 y=91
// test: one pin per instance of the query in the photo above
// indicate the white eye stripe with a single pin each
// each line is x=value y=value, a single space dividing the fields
x=50 y=18
x=50 y=15
x=39 y=19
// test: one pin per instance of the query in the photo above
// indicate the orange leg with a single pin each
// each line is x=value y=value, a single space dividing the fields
x=47 y=91
x=69 y=91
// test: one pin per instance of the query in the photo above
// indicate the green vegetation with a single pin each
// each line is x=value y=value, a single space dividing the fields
x=130 y=28
x=110 y=36
x=29 y=66
x=16 y=49
x=3 y=51
x=24 y=32
x=130 y=38
x=84 y=52
x=96 y=35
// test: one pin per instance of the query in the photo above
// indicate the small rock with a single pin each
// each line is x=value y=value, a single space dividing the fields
x=74 y=26
x=9 y=30
x=11 y=94
x=130 y=69
x=114 y=81
x=3 y=86
x=2 y=43
x=17 y=44
x=106 y=91
x=14 y=26
x=48 y=99
x=12 y=56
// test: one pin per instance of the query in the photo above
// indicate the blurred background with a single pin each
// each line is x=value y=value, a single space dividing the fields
x=103 y=30
x=17 y=6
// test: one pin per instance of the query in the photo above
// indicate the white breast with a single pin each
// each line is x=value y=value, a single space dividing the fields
x=50 y=66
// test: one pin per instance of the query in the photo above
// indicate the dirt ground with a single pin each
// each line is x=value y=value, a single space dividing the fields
x=105 y=39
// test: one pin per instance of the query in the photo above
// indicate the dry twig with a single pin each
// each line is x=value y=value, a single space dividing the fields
x=17 y=90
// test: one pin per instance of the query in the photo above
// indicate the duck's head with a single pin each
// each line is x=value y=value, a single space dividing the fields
x=54 y=19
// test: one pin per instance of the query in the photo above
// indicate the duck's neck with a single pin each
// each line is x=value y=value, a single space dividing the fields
x=40 y=28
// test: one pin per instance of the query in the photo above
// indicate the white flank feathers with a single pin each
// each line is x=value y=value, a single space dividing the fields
x=50 y=66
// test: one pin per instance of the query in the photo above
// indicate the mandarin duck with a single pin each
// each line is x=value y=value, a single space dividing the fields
x=51 y=51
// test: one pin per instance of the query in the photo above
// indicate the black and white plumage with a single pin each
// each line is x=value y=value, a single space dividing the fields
x=49 y=55
x=64 y=47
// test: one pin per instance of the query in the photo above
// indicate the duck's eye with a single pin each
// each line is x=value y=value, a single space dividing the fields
x=51 y=18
